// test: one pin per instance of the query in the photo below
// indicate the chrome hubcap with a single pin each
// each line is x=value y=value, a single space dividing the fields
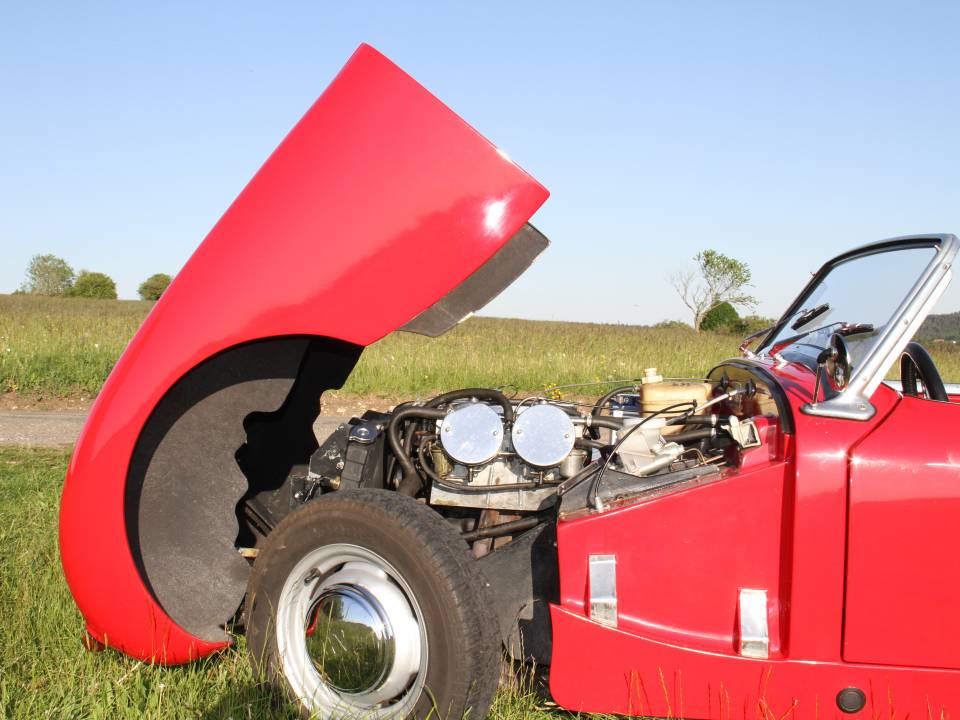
x=350 y=640
x=350 y=635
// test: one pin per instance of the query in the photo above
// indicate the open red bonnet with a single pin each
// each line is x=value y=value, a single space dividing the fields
x=380 y=209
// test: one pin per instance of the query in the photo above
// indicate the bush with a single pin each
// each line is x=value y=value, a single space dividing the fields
x=94 y=285
x=154 y=286
x=721 y=318
x=673 y=325
x=754 y=323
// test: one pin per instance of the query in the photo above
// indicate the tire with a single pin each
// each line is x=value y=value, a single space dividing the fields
x=367 y=603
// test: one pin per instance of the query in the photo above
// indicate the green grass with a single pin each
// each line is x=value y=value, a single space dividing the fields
x=531 y=355
x=66 y=347
x=63 y=346
x=44 y=671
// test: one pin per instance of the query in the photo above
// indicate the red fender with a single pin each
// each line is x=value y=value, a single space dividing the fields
x=378 y=186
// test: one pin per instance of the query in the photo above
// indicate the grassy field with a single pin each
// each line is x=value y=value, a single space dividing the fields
x=66 y=347
x=44 y=671
x=63 y=346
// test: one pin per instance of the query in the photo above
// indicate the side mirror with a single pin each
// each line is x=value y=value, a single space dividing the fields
x=833 y=368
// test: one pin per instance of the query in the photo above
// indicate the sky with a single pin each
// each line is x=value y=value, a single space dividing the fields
x=778 y=133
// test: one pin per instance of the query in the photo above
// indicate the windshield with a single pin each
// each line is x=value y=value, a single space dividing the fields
x=863 y=291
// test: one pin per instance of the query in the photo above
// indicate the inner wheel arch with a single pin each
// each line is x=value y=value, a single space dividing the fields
x=225 y=430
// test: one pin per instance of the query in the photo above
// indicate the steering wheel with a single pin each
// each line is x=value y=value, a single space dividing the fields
x=916 y=364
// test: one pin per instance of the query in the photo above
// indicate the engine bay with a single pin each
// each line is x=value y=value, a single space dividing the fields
x=496 y=466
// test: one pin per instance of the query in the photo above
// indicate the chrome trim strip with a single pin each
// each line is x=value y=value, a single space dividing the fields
x=754 y=628
x=603 y=589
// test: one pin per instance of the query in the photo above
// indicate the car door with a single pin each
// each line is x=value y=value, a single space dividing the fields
x=902 y=604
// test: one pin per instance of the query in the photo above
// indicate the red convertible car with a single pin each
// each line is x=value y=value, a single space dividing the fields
x=774 y=540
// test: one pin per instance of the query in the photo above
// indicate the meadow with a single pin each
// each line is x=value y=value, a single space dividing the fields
x=67 y=346
x=46 y=673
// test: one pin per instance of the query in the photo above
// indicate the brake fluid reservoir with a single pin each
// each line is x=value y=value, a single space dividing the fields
x=660 y=394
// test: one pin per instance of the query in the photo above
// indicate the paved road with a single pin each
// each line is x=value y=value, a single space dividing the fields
x=60 y=429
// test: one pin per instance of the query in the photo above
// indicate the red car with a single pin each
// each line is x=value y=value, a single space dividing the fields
x=775 y=540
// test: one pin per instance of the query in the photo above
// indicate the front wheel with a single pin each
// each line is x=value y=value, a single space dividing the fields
x=365 y=603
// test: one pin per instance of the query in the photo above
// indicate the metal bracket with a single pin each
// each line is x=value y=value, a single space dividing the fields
x=603 y=589
x=754 y=628
x=743 y=432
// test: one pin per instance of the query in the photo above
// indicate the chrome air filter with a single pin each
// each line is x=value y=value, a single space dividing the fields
x=543 y=435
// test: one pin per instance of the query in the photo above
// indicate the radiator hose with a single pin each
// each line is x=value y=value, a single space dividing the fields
x=411 y=482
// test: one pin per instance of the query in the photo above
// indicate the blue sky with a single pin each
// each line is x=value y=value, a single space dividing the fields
x=779 y=133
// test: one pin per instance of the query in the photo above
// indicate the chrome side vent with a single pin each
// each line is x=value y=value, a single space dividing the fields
x=754 y=627
x=603 y=589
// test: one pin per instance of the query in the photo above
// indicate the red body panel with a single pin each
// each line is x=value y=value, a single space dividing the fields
x=903 y=578
x=813 y=549
x=618 y=672
x=378 y=185
x=780 y=526
x=677 y=573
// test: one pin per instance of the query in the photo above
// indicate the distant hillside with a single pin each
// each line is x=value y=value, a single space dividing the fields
x=940 y=327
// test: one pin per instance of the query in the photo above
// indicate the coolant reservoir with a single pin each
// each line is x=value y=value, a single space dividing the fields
x=660 y=394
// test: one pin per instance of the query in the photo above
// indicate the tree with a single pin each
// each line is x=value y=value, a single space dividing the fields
x=94 y=285
x=48 y=275
x=717 y=279
x=154 y=286
x=721 y=318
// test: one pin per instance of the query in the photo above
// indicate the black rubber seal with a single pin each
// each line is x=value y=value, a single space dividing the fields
x=851 y=700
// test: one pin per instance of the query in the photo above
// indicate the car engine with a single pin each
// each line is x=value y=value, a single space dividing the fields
x=496 y=465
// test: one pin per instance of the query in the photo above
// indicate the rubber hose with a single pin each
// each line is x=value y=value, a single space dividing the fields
x=411 y=482
x=688 y=435
x=607 y=422
x=479 y=393
x=709 y=420
x=590 y=444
